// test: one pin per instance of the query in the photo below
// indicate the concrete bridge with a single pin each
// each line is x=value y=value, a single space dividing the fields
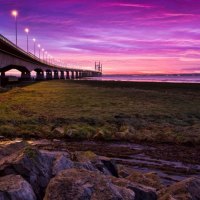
x=13 y=57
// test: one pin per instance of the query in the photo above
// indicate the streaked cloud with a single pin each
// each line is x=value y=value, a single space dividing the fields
x=128 y=36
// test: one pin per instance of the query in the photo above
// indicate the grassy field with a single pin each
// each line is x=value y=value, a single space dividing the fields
x=151 y=112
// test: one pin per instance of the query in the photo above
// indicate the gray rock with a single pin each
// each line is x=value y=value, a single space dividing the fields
x=79 y=184
x=61 y=161
x=33 y=166
x=14 y=187
x=105 y=165
x=188 y=189
x=141 y=192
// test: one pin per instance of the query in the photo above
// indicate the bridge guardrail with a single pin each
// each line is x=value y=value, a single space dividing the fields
x=24 y=52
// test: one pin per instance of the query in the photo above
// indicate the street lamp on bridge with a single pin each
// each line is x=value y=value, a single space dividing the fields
x=43 y=53
x=34 y=45
x=39 y=49
x=15 y=14
x=46 y=55
x=27 y=31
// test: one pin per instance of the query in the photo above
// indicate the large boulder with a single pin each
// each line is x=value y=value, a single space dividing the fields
x=32 y=165
x=103 y=164
x=36 y=167
x=79 y=184
x=16 y=188
x=61 y=160
x=188 y=189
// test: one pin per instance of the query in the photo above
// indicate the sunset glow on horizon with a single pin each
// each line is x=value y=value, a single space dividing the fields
x=127 y=36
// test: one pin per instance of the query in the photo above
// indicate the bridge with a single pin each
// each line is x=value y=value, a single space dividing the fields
x=13 y=57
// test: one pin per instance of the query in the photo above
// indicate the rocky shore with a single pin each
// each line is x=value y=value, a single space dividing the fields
x=42 y=170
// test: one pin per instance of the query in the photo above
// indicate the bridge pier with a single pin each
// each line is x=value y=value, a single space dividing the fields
x=56 y=76
x=72 y=75
x=49 y=75
x=62 y=75
x=67 y=76
x=3 y=79
x=25 y=76
x=80 y=74
x=39 y=75
x=77 y=75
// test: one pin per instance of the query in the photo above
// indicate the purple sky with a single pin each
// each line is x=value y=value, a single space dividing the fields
x=138 y=36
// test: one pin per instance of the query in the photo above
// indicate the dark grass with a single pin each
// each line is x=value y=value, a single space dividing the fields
x=133 y=111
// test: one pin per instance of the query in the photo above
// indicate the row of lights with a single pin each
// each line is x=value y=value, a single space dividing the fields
x=15 y=15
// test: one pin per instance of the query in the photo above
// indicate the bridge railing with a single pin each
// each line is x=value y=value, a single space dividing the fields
x=26 y=53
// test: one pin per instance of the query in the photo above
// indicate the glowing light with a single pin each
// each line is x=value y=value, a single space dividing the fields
x=39 y=45
x=34 y=39
x=14 y=13
x=26 y=30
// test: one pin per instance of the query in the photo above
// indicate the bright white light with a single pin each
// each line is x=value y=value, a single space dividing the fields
x=26 y=30
x=34 y=39
x=14 y=13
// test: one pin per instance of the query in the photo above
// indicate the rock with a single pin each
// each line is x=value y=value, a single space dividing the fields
x=61 y=161
x=110 y=164
x=124 y=171
x=148 y=179
x=141 y=192
x=10 y=147
x=105 y=165
x=74 y=184
x=59 y=130
x=188 y=189
x=16 y=188
x=79 y=184
x=32 y=165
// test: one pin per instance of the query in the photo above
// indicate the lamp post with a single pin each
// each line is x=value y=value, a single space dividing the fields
x=46 y=55
x=43 y=53
x=27 y=31
x=15 y=14
x=34 y=45
x=39 y=50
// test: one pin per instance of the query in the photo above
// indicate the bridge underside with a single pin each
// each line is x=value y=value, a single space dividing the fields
x=41 y=74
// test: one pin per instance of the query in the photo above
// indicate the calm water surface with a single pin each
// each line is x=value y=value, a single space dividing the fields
x=151 y=78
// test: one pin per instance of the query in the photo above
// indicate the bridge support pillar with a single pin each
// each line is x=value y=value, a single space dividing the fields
x=67 y=76
x=77 y=74
x=25 y=76
x=80 y=74
x=49 y=75
x=56 y=76
x=3 y=79
x=39 y=75
x=72 y=76
x=62 y=75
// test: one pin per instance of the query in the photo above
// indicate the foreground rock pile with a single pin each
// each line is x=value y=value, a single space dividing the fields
x=28 y=172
